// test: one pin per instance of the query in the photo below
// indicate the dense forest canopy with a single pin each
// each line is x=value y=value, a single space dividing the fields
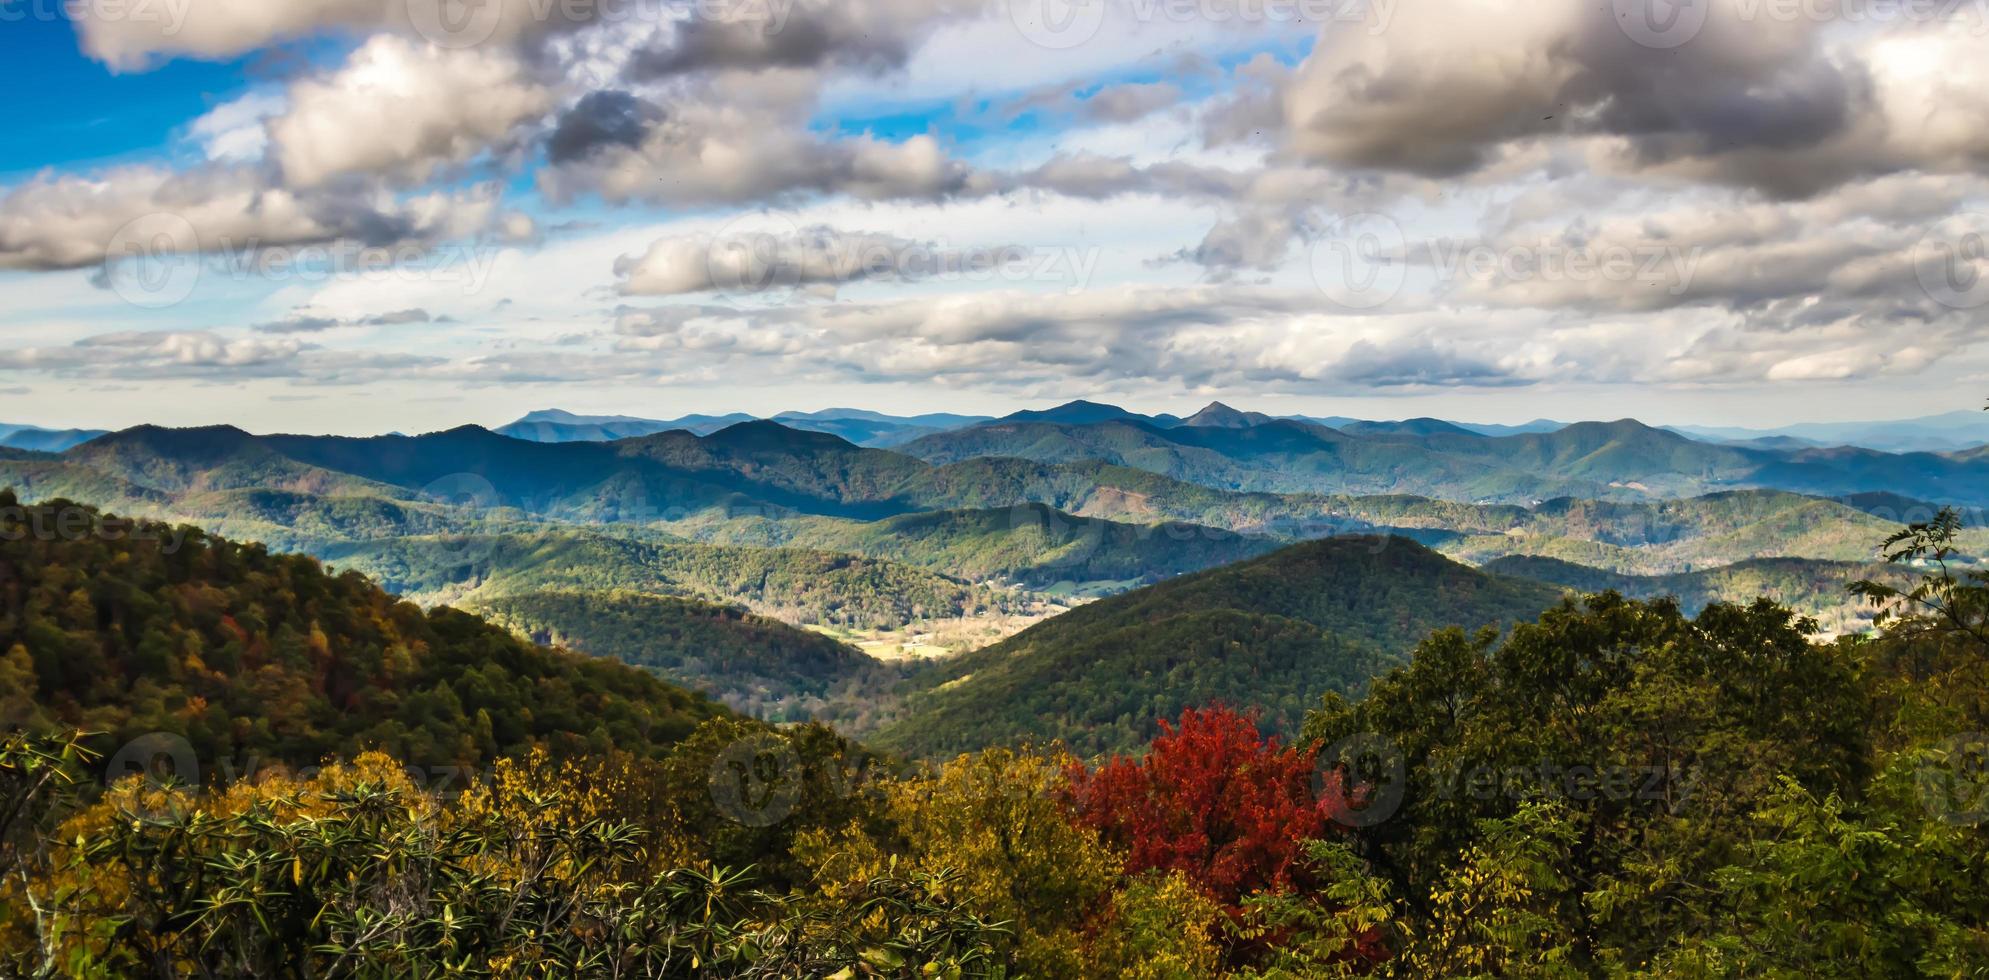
x=128 y=628
x=1584 y=787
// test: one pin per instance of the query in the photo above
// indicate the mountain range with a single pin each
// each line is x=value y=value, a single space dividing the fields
x=1949 y=432
x=39 y=439
x=860 y=427
x=730 y=539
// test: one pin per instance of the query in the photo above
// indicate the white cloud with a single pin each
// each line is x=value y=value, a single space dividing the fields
x=402 y=109
x=63 y=222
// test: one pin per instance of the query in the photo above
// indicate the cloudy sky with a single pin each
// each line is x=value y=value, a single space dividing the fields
x=362 y=215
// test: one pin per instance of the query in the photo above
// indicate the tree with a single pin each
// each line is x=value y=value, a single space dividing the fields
x=996 y=819
x=1213 y=799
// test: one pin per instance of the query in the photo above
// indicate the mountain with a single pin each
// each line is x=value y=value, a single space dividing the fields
x=1810 y=587
x=1034 y=545
x=44 y=440
x=795 y=585
x=1407 y=427
x=1524 y=428
x=1624 y=459
x=856 y=425
x=300 y=490
x=1934 y=433
x=1650 y=537
x=1219 y=416
x=1482 y=428
x=1281 y=456
x=555 y=425
x=1082 y=412
x=255 y=657
x=930 y=420
x=753 y=664
x=1270 y=633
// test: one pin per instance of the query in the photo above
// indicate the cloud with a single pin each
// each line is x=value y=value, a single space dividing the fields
x=135 y=37
x=237 y=131
x=755 y=261
x=67 y=222
x=209 y=356
x=1782 y=104
x=861 y=35
x=1869 y=253
x=402 y=109
x=1122 y=103
x=608 y=117
x=723 y=145
x=305 y=322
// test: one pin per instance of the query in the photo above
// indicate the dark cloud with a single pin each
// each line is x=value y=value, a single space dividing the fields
x=609 y=117
x=1784 y=105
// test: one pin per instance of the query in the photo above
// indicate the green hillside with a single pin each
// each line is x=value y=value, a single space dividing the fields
x=790 y=584
x=251 y=655
x=1810 y=587
x=1031 y=544
x=755 y=665
x=1269 y=633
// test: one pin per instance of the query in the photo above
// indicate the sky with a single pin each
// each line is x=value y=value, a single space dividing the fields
x=360 y=216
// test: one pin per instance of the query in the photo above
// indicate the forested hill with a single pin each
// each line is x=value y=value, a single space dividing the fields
x=1270 y=634
x=1807 y=586
x=132 y=628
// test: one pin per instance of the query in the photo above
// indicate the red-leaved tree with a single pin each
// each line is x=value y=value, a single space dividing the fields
x=1214 y=799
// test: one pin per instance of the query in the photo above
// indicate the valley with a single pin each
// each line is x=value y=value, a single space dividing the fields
x=792 y=573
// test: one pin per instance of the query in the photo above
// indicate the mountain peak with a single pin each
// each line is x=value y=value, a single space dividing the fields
x=763 y=434
x=1216 y=415
x=1078 y=412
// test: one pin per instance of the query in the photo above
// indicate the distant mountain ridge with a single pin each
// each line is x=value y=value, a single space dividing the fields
x=38 y=439
x=1428 y=457
x=859 y=426
x=1948 y=432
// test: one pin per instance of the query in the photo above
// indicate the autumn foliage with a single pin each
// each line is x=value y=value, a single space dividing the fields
x=1213 y=799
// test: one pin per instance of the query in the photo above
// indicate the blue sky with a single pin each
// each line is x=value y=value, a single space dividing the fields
x=322 y=216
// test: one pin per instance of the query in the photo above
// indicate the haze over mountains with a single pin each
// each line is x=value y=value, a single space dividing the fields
x=1936 y=433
